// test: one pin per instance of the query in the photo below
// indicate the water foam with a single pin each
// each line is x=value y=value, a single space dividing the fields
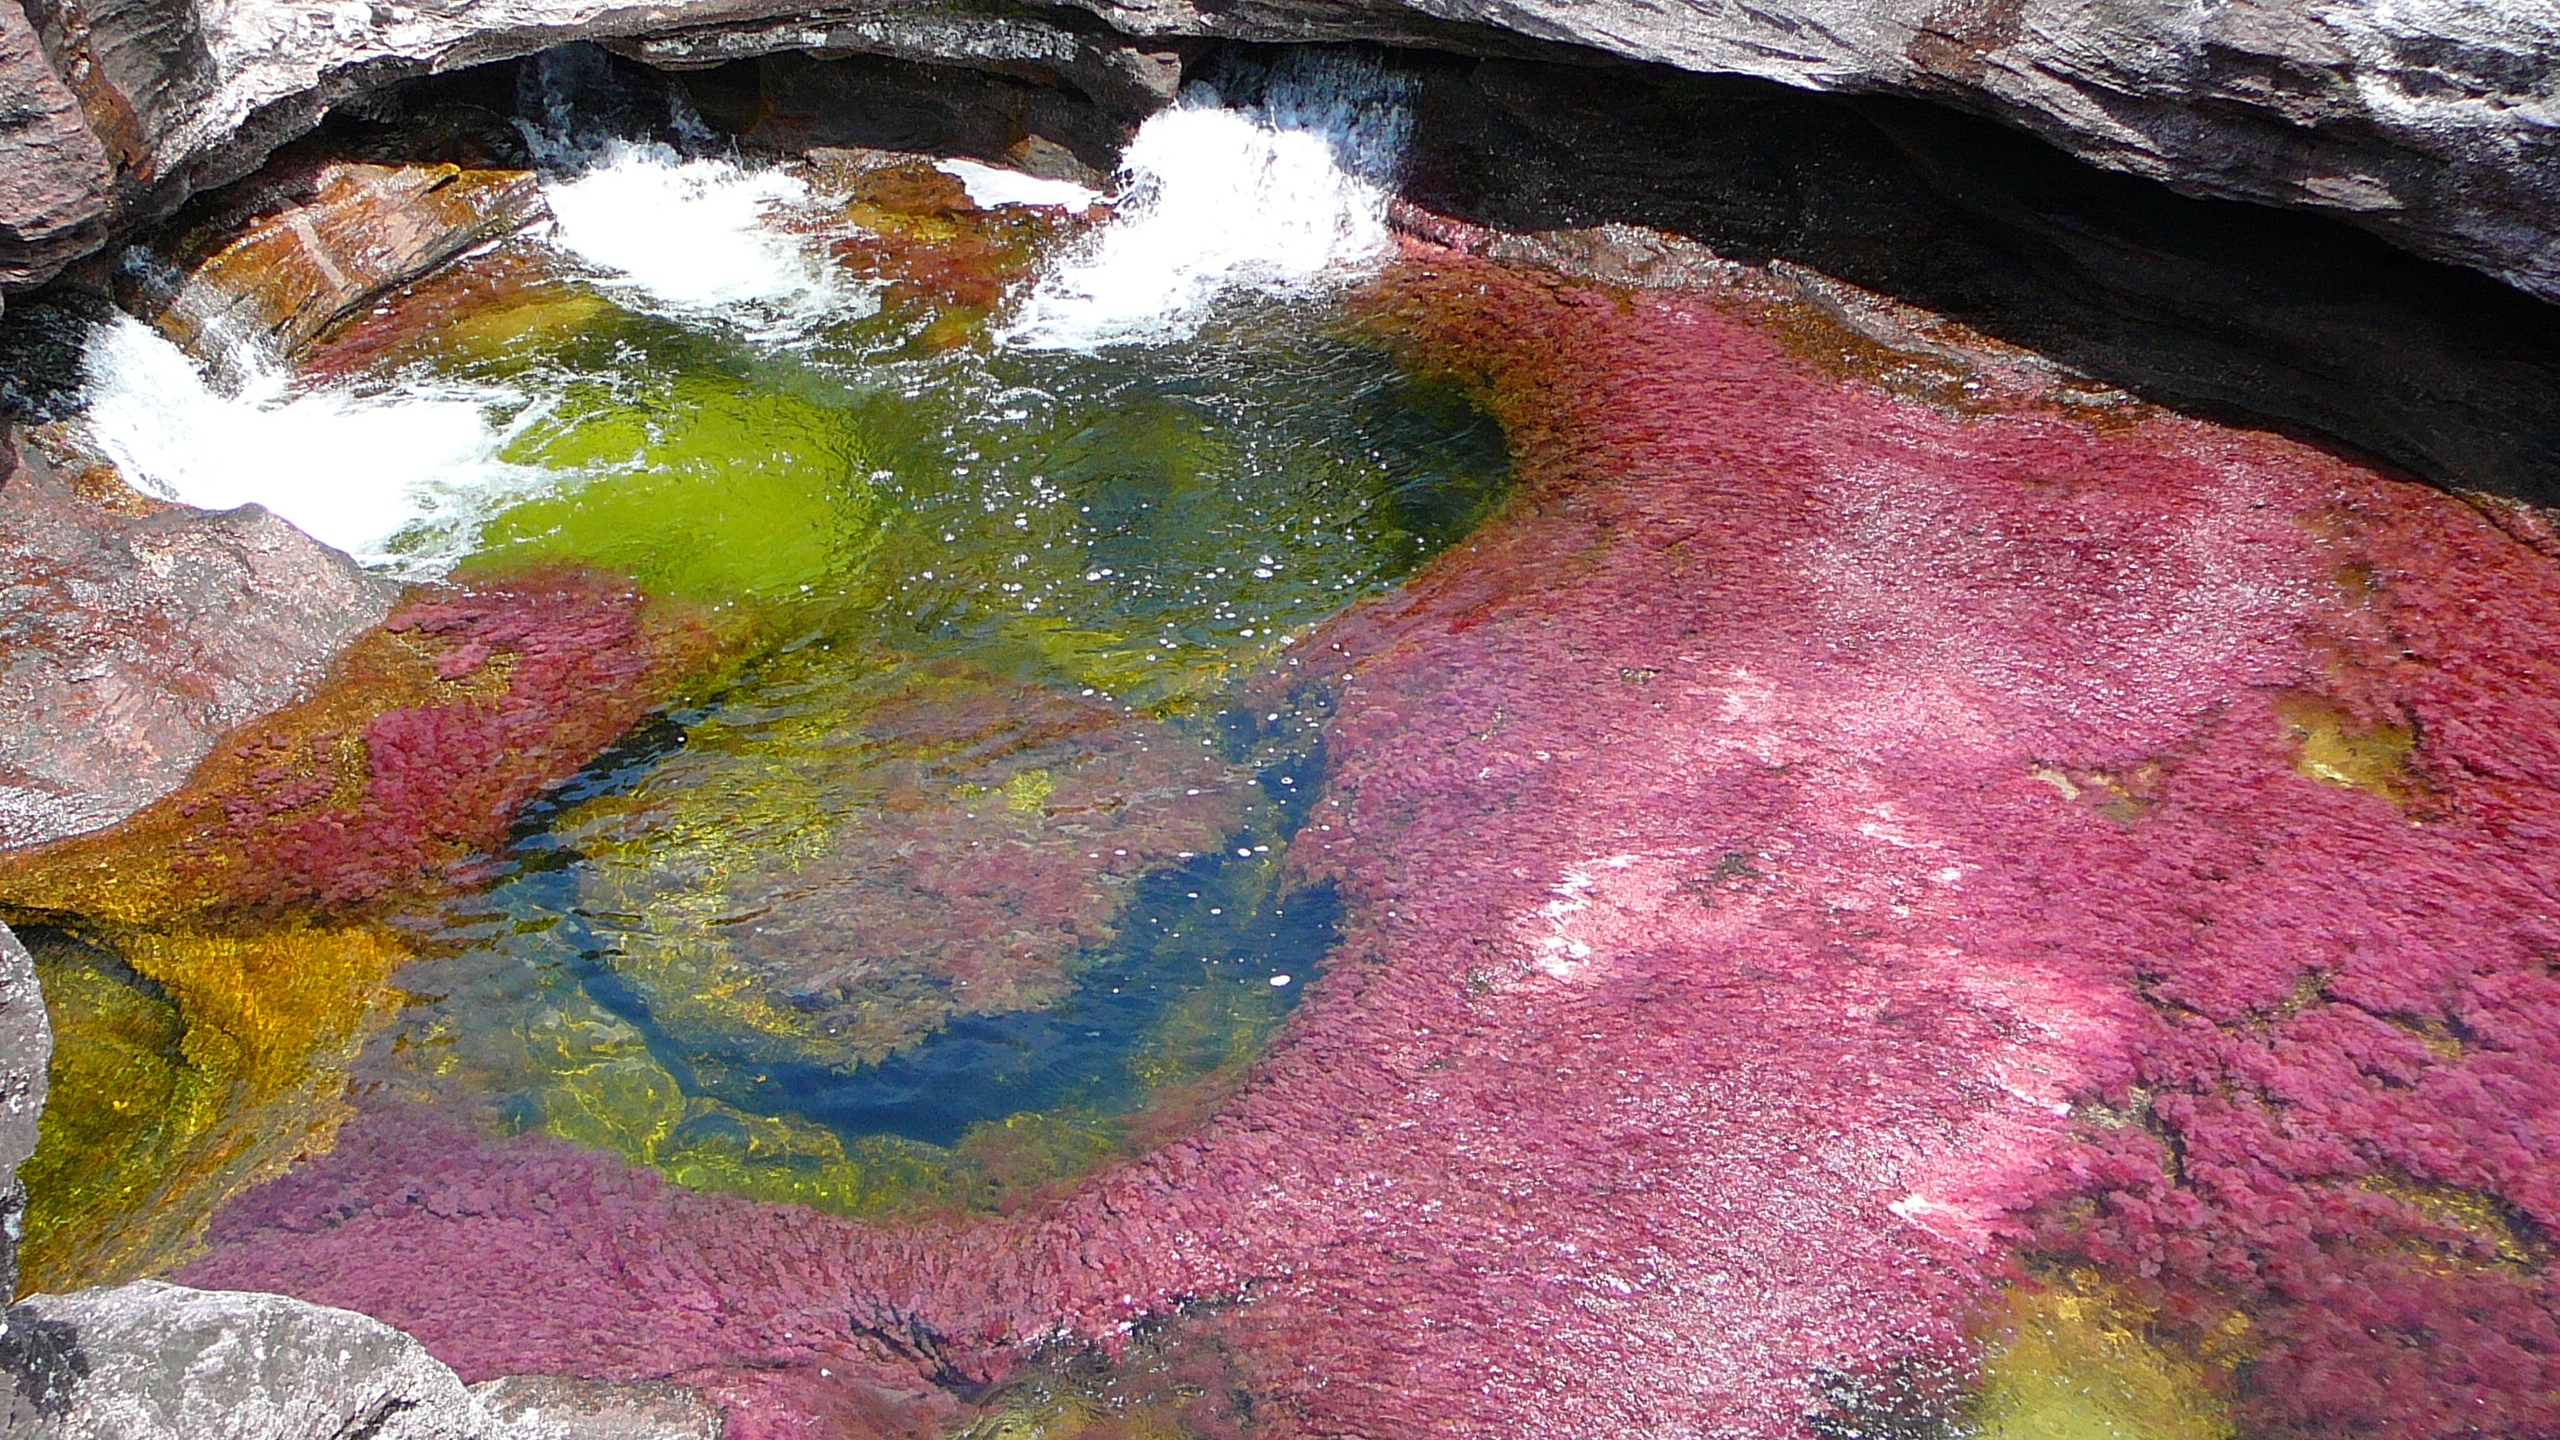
x=398 y=479
x=1285 y=197
x=990 y=187
x=698 y=239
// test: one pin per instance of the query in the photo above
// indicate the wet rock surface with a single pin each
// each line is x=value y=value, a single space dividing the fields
x=2424 y=123
x=306 y=244
x=134 y=640
x=26 y=1045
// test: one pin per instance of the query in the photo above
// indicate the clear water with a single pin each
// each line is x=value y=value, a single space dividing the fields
x=963 y=866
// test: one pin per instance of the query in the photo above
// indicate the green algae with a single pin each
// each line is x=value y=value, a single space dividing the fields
x=1152 y=526
x=705 y=488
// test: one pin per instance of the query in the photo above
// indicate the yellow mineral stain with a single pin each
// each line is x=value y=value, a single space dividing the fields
x=2474 y=1212
x=1027 y=792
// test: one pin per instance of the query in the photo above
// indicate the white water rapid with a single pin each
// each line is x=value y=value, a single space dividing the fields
x=1286 y=196
x=700 y=239
x=990 y=187
x=395 y=479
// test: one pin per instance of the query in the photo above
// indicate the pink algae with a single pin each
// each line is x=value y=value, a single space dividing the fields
x=1812 y=850
x=494 y=694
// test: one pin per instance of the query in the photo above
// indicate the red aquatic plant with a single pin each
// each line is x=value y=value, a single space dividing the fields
x=1814 y=848
x=505 y=690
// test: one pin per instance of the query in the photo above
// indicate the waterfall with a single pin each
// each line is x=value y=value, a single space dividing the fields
x=640 y=195
x=1284 y=195
x=698 y=239
x=395 y=478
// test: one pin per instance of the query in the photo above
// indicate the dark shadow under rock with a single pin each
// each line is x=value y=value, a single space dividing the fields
x=793 y=103
x=2210 y=305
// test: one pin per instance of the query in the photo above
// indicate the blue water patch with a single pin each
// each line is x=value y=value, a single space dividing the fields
x=1221 y=919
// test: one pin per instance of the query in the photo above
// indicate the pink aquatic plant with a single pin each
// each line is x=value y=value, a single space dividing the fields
x=493 y=695
x=1815 y=852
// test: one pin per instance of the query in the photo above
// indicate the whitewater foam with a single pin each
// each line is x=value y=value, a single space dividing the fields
x=699 y=239
x=399 y=479
x=1285 y=197
x=990 y=186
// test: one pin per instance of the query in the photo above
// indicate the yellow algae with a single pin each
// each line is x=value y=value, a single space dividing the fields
x=537 y=316
x=2078 y=1363
x=1027 y=792
x=2474 y=1212
x=186 y=1067
x=2335 y=749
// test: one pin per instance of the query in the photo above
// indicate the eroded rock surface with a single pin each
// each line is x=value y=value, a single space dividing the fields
x=149 y=1361
x=132 y=641
x=26 y=1044
x=308 y=243
x=2428 y=122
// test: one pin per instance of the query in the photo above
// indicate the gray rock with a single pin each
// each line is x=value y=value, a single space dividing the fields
x=56 y=184
x=130 y=642
x=148 y=1361
x=204 y=93
x=565 y=1409
x=2432 y=122
x=26 y=1047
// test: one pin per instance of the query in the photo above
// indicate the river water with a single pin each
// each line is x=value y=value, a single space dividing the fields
x=961 y=843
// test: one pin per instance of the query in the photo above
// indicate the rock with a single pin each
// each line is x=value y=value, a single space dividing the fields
x=2204 y=304
x=133 y=640
x=1126 y=81
x=800 y=104
x=562 y=1408
x=319 y=239
x=54 y=170
x=146 y=1361
x=2426 y=122
x=26 y=1045
x=179 y=101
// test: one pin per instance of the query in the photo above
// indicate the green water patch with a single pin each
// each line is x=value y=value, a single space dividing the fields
x=1142 y=522
x=968 y=875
